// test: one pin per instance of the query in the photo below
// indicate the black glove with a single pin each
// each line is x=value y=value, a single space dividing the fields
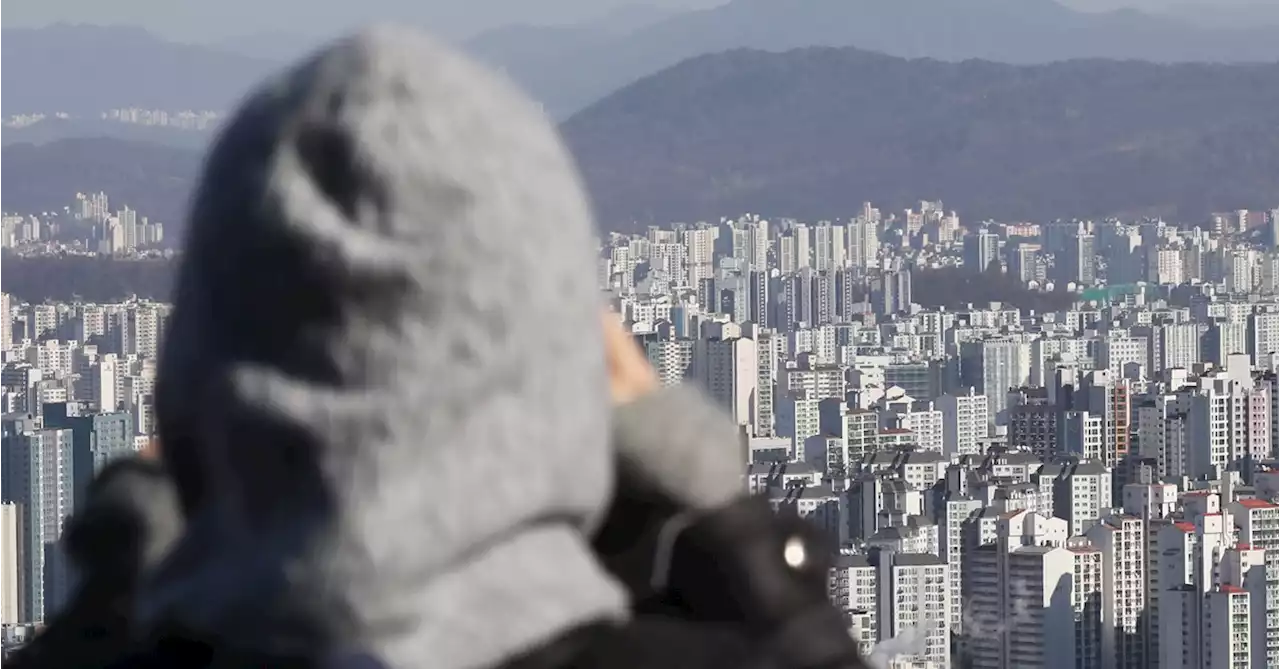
x=740 y=564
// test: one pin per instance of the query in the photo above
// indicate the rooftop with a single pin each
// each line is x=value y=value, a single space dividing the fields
x=1257 y=504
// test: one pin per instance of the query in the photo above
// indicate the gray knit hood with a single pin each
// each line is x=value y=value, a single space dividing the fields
x=383 y=394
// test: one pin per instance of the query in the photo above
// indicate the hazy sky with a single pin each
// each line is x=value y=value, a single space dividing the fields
x=203 y=20
x=210 y=20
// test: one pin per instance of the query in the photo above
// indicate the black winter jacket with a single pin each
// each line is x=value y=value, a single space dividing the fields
x=737 y=588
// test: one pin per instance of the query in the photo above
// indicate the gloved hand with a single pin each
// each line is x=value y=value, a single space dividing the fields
x=688 y=542
x=740 y=563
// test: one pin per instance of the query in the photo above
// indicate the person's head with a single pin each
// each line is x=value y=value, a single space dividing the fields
x=387 y=321
x=386 y=230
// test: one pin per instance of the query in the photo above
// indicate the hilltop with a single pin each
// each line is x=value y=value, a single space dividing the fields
x=567 y=69
x=154 y=179
x=815 y=132
x=85 y=70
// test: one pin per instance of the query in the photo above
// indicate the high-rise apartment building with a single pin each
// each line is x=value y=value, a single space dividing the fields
x=729 y=370
x=38 y=468
x=1122 y=540
x=10 y=563
x=964 y=422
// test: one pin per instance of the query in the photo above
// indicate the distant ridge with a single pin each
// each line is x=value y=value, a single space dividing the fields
x=815 y=132
x=152 y=178
x=54 y=129
x=270 y=46
x=569 y=71
x=85 y=70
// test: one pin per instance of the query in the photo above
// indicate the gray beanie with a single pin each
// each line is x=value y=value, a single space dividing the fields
x=383 y=394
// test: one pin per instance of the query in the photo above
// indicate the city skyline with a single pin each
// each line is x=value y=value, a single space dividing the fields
x=967 y=313
x=1002 y=486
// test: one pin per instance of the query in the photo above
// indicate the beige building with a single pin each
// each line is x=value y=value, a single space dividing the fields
x=9 y=533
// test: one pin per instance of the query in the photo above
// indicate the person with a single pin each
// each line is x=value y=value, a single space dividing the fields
x=397 y=430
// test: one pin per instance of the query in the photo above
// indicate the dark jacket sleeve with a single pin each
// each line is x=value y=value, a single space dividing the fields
x=129 y=519
x=647 y=642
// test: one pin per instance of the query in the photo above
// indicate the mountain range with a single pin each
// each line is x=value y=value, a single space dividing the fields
x=275 y=47
x=567 y=72
x=1226 y=15
x=815 y=132
x=85 y=70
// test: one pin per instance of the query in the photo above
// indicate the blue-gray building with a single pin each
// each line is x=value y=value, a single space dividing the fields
x=97 y=438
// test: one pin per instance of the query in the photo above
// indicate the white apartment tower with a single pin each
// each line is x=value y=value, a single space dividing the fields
x=914 y=598
x=1238 y=272
x=758 y=239
x=952 y=546
x=43 y=321
x=10 y=534
x=851 y=585
x=964 y=422
x=1033 y=602
x=1258 y=527
x=823 y=249
x=146 y=323
x=1227 y=624
x=1122 y=540
x=1175 y=345
x=804 y=245
x=671 y=359
x=1219 y=432
x=1165 y=266
x=622 y=265
x=106 y=382
x=699 y=245
x=864 y=243
x=768 y=350
x=996 y=366
x=6 y=324
x=1118 y=350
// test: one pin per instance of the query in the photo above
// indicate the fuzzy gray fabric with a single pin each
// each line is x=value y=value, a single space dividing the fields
x=383 y=393
x=678 y=443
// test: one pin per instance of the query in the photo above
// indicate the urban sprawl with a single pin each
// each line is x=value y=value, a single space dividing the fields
x=1088 y=487
x=180 y=120
x=85 y=227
